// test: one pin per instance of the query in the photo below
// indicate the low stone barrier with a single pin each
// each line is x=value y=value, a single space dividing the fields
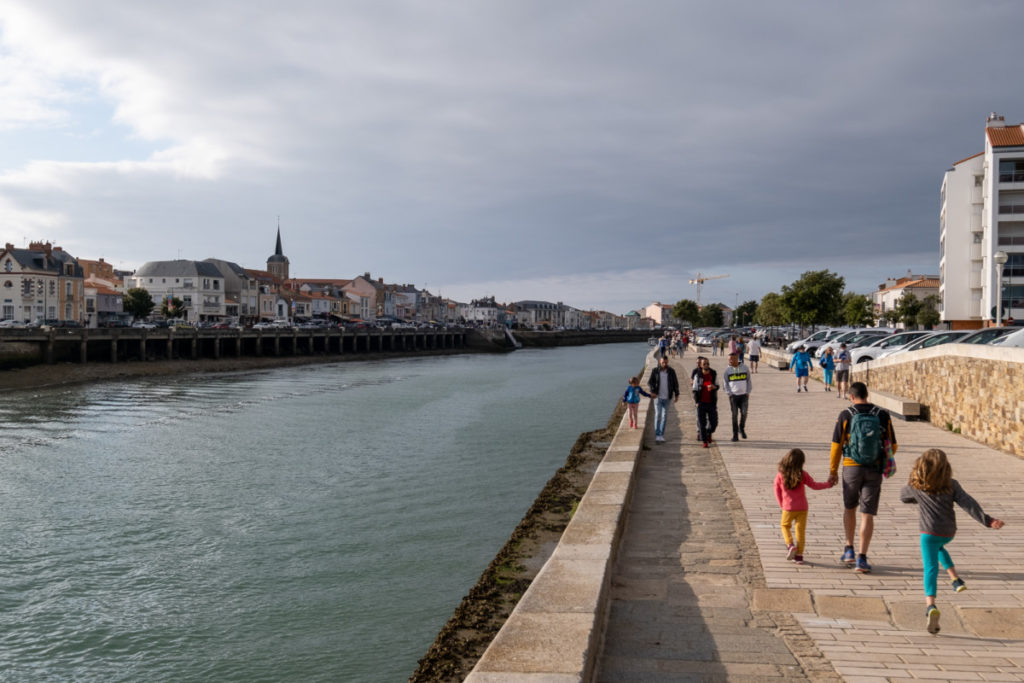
x=555 y=633
x=901 y=407
x=974 y=389
x=774 y=358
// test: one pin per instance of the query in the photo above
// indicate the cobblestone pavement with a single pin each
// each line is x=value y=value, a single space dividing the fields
x=702 y=589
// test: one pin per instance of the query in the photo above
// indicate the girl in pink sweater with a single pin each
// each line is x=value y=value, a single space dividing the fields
x=792 y=497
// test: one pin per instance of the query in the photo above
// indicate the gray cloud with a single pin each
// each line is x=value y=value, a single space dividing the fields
x=557 y=143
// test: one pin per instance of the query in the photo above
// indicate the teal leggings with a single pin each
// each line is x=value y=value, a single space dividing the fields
x=933 y=552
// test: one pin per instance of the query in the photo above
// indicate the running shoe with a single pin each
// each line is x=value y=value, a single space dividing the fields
x=799 y=559
x=790 y=551
x=958 y=586
x=849 y=557
x=933 y=619
x=862 y=565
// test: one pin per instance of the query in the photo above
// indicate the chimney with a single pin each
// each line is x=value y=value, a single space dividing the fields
x=367 y=275
x=995 y=121
x=380 y=280
x=9 y=246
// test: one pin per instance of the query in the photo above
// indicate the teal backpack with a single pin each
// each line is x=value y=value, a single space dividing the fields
x=865 y=444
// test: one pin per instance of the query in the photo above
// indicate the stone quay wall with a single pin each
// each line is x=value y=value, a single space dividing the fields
x=975 y=389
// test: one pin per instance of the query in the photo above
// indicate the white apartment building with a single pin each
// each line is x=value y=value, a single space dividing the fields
x=198 y=284
x=982 y=213
x=891 y=292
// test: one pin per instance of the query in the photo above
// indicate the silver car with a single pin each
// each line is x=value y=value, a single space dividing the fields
x=895 y=341
x=933 y=339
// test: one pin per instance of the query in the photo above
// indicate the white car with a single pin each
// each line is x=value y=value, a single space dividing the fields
x=989 y=335
x=933 y=339
x=1014 y=339
x=817 y=338
x=854 y=339
x=895 y=341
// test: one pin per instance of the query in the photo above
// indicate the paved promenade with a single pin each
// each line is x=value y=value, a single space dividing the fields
x=702 y=589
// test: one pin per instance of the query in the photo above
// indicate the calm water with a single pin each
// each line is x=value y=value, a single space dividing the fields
x=311 y=524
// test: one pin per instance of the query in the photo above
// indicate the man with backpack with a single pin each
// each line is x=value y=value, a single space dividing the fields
x=864 y=436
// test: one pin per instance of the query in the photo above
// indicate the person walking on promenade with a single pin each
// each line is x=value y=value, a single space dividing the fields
x=865 y=439
x=741 y=347
x=843 y=372
x=685 y=343
x=663 y=347
x=934 y=490
x=828 y=364
x=755 y=353
x=737 y=387
x=733 y=344
x=632 y=400
x=801 y=364
x=714 y=347
x=705 y=396
x=664 y=385
x=790 y=492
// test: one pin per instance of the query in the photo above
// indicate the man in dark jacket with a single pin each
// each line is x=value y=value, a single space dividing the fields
x=664 y=385
x=705 y=395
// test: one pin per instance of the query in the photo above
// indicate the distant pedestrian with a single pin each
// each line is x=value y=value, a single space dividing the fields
x=737 y=387
x=741 y=347
x=721 y=347
x=864 y=437
x=755 y=353
x=733 y=343
x=664 y=385
x=632 y=400
x=934 y=490
x=790 y=492
x=801 y=364
x=686 y=343
x=843 y=372
x=828 y=364
x=714 y=346
x=705 y=396
x=663 y=347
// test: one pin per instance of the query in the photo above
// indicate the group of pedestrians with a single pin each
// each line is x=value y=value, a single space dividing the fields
x=673 y=343
x=863 y=443
x=829 y=362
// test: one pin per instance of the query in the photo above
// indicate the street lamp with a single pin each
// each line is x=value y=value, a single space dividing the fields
x=1000 y=258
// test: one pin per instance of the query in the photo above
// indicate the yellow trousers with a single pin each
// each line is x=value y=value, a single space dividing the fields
x=798 y=520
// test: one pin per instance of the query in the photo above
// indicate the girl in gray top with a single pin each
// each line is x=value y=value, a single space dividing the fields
x=934 y=490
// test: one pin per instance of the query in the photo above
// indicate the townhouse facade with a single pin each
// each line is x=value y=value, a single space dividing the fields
x=241 y=291
x=891 y=292
x=198 y=284
x=41 y=283
x=981 y=221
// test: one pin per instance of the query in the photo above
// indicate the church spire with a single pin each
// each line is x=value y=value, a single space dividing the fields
x=278 y=251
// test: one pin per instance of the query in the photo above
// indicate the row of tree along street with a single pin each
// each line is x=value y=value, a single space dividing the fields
x=817 y=298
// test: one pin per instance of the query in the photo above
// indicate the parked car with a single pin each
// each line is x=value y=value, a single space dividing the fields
x=815 y=340
x=986 y=336
x=874 y=350
x=143 y=325
x=933 y=339
x=853 y=339
x=1014 y=339
x=10 y=322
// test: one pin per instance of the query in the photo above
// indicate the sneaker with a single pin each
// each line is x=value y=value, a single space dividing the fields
x=705 y=444
x=848 y=555
x=791 y=551
x=862 y=565
x=798 y=559
x=659 y=439
x=958 y=586
x=933 y=619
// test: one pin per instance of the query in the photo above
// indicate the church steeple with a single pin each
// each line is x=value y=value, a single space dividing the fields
x=277 y=264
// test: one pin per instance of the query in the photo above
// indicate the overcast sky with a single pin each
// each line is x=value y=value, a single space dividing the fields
x=597 y=153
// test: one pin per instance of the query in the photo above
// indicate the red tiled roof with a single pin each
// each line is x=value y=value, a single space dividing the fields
x=1011 y=136
x=968 y=158
x=924 y=283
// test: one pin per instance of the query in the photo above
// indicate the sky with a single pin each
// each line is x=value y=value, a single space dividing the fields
x=597 y=153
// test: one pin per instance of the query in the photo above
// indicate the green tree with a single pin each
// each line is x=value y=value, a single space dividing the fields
x=138 y=302
x=173 y=308
x=891 y=316
x=686 y=311
x=711 y=315
x=744 y=314
x=857 y=310
x=928 y=317
x=771 y=311
x=815 y=299
x=907 y=309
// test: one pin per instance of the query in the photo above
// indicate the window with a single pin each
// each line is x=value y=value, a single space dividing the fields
x=53 y=288
x=187 y=300
x=1011 y=171
x=7 y=284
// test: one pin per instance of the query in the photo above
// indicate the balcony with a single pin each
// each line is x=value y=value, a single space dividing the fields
x=974 y=280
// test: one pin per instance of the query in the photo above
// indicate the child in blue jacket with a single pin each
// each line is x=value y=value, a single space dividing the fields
x=632 y=399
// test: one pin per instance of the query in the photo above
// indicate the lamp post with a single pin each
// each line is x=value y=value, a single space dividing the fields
x=1000 y=258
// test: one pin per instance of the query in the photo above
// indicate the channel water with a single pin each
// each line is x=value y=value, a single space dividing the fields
x=298 y=524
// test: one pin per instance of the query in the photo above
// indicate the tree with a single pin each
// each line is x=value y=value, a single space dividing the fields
x=770 y=312
x=173 y=308
x=907 y=309
x=857 y=310
x=138 y=302
x=744 y=314
x=711 y=315
x=815 y=299
x=686 y=310
x=928 y=317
